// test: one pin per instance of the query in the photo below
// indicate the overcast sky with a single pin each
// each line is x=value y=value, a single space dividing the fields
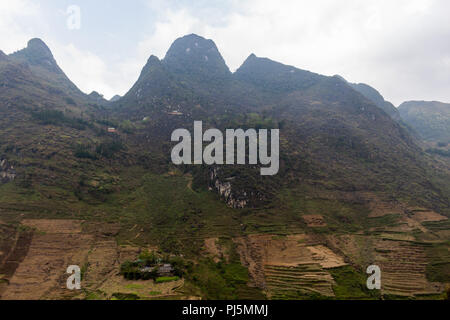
x=400 y=47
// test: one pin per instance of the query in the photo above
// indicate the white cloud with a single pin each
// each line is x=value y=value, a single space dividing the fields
x=382 y=42
x=174 y=24
x=84 y=68
x=13 y=33
x=400 y=47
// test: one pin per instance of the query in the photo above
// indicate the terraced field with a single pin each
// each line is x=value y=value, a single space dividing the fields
x=34 y=258
x=14 y=244
x=290 y=267
x=403 y=266
x=295 y=282
x=55 y=245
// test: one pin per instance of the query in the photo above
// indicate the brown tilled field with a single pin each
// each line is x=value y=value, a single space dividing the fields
x=403 y=266
x=283 y=265
x=14 y=246
x=427 y=216
x=48 y=256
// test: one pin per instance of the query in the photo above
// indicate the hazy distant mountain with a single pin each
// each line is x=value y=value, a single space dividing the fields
x=2 y=55
x=431 y=119
x=115 y=98
x=96 y=97
x=374 y=96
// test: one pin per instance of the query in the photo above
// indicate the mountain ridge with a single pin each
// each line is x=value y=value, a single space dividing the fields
x=431 y=119
x=354 y=188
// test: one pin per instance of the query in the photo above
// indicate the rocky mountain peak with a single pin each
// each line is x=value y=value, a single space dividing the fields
x=38 y=53
x=196 y=55
x=39 y=48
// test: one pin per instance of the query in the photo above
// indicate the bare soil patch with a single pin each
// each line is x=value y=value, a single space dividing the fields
x=326 y=257
x=54 y=226
x=427 y=216
x=212 y=248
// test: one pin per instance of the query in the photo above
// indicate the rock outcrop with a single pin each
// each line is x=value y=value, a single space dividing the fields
x=224 y=188
x=7 y=172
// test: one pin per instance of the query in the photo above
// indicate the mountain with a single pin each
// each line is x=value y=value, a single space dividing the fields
x=37 y=54
x=42 y=116
x=96 y=97
x=40 y=61
x=353 y=189
x=2 y=55
x=192 y=64
x=32 y=75
x=115 y=98
x=374 y=96
x=275 y=77
x=343 y=136
x=431 y=119
x=196 y=57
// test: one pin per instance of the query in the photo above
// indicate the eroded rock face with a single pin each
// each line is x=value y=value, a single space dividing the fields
x=224 y=188
x=7 y=171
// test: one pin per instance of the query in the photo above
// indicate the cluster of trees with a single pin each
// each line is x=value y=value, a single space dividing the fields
x=83 y=151
x=109 y=149
x=132 y=270
x=56 y=117
x=247 y=121
x=105 y=149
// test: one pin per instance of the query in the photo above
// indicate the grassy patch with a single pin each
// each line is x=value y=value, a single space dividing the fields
x=134 y=286
x=125 y=296
x=438 y=268
x=166 y=279
x=351 y=284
